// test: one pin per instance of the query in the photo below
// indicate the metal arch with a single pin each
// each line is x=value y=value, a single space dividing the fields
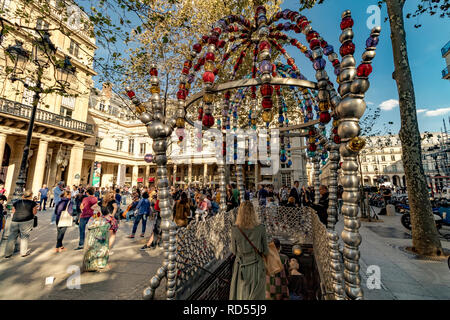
x=248 y=83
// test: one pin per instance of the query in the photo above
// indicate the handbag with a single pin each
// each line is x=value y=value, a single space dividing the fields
x=66 y=219
x=272 y=261
x=35 y=221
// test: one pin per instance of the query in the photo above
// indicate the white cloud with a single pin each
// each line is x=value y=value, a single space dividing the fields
x=370 y=103
x=437 y=112
x=421 y=110
x=389 y=104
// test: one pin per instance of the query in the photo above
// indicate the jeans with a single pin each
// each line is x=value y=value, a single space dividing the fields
x=43 y=199
x=136 y=223
x=60 y=236
x=129 y=214
x=54 y=215
x=22 y=229
x=82 y=228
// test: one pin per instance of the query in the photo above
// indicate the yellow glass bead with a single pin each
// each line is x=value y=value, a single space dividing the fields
x=305 y=91
x=304 y=49
x=180 y=123
x=335 y=123
x=323 y=106
x=154 y=89
x=209 y=66
x=187 y=86
x=357 y=144
x=253 y=121
x=311 y=140
x=208 y=98
x=140 y=108
x=267 y=116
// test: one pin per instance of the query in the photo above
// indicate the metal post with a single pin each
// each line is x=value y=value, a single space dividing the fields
x=335 y=256
x=316 y=162
x=22 y=179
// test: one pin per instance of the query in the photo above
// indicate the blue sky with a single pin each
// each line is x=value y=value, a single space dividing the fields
x=424 y=50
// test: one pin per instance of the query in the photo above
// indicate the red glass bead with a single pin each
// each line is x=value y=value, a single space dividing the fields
x=314 y=44
x=323 y=44
x=294 y=42
x=312 y=132
x=337 y=139
x=210 y=56
x=197 y=47
x=280 y=26
x=208 y=120
x=364 y=70
x=297 y=29
x=261 y=9
x=181 y=94
x=180 y=138
x=185 y=70
x=335 y=62
x=290 y=61
x=226 y=56
x=213 y=40
x=304 y=24
x=221 y=44
x=182 y=86
x=208 y=77
x=277 y=87
x=311 y=35
x=294 y=67
x=312 y=147
x=335 y=130
x=346 y=23
x=201 y=61
x=188 y=63
x=131 y=94
x=227 y=95
x=264 y=45
x=325 y=117
x=266 y=90
x=216 y=71
x=218 y=31
x=205 y=38
x=267 y=103
x=153 y=72
x=347 y=48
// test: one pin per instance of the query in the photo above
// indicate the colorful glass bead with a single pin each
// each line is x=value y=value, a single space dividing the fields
x=347 y=48
x=364 y=70
x=208 y=77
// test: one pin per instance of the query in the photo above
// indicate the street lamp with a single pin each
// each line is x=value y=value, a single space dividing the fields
x=42 y=54
x=17 y=56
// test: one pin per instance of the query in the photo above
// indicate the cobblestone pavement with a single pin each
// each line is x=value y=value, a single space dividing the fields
x=131 y=269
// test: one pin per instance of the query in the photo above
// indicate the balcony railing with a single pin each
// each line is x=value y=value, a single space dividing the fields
x=445 y=49
x=23 y=111
x=445 y=73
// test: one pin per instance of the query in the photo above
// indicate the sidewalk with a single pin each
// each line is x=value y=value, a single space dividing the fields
x=403 y=275
x=131 y=269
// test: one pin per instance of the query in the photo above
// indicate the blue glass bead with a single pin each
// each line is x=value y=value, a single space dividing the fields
x=235 y=157
x=283 y=158
x=319 y=64
x=265 y=66
x=287 y=26
x=337 y=71
x=289 y=163
x=308 y=54
x=328 y=50
x=280 y=119
x=372 y=42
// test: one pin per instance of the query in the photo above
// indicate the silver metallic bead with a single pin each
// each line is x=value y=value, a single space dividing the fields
x=348 y=62
x=317 y=53
x=346 y=35
x=321 y=74
x=346 y=13
x=333 y=56
x=266 y=77
x=347 y=74
x=154 y=80
x=348 y=130
x=360 y=86
x=369 y=55
x=264 y=55
x=145 y=117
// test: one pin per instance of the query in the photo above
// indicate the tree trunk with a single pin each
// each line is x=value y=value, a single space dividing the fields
x=424 y=233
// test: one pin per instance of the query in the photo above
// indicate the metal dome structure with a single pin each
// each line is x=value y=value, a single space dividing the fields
x=263 y=37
